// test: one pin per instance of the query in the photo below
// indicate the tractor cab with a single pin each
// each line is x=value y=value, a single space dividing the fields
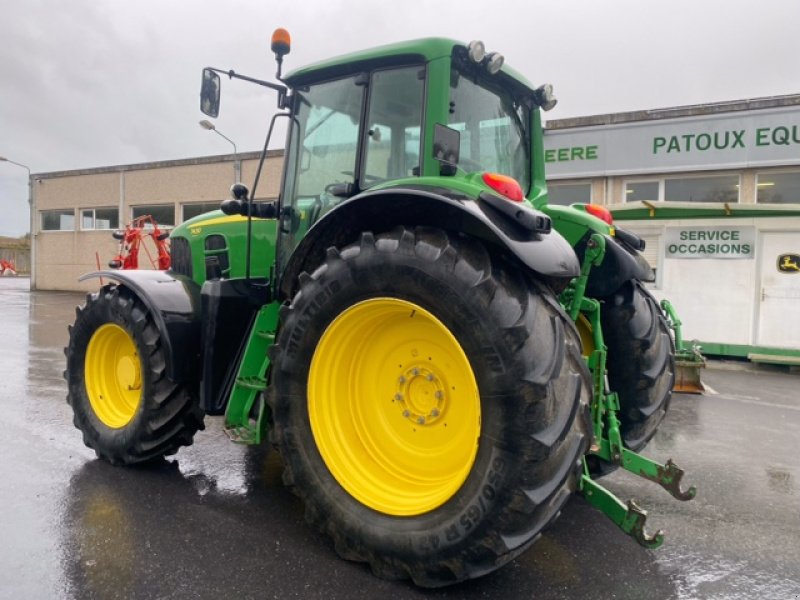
x=434 y=116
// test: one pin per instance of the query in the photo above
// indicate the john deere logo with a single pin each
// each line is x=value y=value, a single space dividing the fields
x=789 y=263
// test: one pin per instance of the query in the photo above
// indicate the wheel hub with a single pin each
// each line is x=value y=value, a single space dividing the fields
x=421 y=396
x=128 y=373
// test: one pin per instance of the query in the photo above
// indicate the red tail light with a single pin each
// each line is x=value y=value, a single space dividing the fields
x=505 y=185
x=601 y=212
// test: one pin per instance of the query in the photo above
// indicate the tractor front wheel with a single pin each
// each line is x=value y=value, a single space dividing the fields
x=126 y=407
x=430 y=403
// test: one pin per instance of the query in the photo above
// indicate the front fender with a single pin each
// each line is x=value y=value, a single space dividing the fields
x=174 y=303
x=548 y=254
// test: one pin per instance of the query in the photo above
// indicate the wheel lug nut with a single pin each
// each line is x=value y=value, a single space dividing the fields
x=429 y=377
x=402 y=380
x=406 y=413
x=434 y=412
x=398 y=397
x=415 y=371
x=421 y=420
x=439 y=395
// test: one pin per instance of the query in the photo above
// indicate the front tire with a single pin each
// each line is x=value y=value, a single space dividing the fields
x=126 y=407
x=430 y=404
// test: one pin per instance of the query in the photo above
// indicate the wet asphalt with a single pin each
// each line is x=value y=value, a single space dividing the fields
x=215 y=522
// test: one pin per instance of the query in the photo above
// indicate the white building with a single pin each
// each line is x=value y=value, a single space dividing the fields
x=715 y=191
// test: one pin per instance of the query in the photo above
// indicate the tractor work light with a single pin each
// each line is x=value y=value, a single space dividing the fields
x=505 y=185
x=545 y=97
x=494 y=63
x=476 y=50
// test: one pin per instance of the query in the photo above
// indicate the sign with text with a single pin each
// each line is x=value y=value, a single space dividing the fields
x=718 y=241
x=741 y=139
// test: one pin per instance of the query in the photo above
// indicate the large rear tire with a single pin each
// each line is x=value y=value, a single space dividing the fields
x=641 y=361
x=126 y=407
x=430 y=404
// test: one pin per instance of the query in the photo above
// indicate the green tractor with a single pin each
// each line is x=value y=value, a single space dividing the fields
x=400 y=324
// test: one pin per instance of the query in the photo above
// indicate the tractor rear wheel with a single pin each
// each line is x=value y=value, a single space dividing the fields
x=126 y=407
x=641 y=361
x=430 y=404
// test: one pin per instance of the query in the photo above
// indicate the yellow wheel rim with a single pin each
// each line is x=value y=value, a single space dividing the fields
x=394 y=406
x=113 y=375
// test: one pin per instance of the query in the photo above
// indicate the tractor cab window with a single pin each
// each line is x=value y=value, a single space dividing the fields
x=323 y=148
x=322 y=167
x=392 y=140
x=494 y=126
x=328 y=117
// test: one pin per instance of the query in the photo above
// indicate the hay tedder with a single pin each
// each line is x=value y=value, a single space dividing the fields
x=440 y=357
x=134 y=238
x=7 y=268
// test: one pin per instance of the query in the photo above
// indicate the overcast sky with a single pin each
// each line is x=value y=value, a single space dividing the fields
x=90 y=83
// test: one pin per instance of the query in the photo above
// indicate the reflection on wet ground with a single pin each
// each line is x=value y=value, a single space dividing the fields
x=215 y=521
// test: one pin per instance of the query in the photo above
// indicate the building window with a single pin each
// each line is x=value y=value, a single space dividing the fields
x=719 y=188
x=641 y=190
x=163 y=214
x=569 y=193
x=197 y=208
x=58 y=220
x=99 y=218
x=778 y=188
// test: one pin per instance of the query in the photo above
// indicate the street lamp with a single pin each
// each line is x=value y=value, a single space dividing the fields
x=30 y=208
x=205 y=124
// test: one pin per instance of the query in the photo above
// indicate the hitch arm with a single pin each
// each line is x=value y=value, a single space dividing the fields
x=669 y=475
x=630 y=518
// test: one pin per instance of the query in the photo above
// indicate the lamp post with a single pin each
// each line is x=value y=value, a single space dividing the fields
x=205 y=124
x=30 y=208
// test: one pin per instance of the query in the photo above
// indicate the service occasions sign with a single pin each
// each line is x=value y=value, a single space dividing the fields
x=710 y=242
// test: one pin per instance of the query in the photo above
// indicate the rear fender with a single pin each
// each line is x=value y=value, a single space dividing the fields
x=621 y=263
x=174 y=303
x=623 y=260
x=546 y=253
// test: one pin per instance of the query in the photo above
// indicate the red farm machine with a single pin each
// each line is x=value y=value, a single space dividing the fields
x=139 y=234
x=7 y=268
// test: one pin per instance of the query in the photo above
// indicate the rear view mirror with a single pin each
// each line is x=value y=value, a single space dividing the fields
x=209 y=93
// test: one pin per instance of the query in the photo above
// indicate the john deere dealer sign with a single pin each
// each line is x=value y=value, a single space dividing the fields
x=728 y=140
x=709 y=242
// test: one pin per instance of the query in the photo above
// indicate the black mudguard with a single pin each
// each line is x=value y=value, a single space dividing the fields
x=622 y=262
x=174 y=302
x=524 y=232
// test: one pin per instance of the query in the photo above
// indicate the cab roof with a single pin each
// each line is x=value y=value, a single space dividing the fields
x=420 y=50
